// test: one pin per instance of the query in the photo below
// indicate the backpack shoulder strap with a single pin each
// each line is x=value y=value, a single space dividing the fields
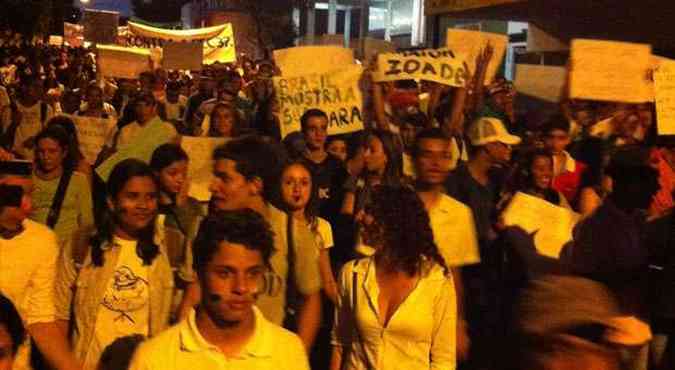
x=57 y=201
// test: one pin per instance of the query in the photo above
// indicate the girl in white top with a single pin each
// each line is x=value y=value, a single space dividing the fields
x=300 y=198
x=397 y=308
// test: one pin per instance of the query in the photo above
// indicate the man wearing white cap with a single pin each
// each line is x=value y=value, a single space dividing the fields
x=472 y=185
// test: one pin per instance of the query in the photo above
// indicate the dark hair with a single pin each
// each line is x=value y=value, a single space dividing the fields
x=245 y=227
x=63 y=138
x=165 y=155
x=68 y=125
x=394 y=168
x=312 y=207
x=254 y=158
x=309 y=113
x=407 y=237
x=523 y=179
x=118 y=354
x=557 y=122
x=10 y=319
x=146 y=248
x=428 y=133
x=235 y=124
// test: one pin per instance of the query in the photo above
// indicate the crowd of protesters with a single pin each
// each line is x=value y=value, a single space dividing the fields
x=381 y=249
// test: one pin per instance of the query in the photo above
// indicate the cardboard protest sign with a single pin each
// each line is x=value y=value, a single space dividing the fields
x=472 y=43
x=337 y=93
x=183 y=55
x=122 y=62
x=303 y=60
x=553 y=225
x=543 y=82
x=442 y=66
x=92 y=133
x=664 y=84
x=221 y=49
x=610 y=71
x=200 y=170
x=153 y=135
x=55 y=40
x=100 y=26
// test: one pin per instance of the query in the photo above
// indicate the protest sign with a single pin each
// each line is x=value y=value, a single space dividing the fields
x=553 y=225
x=92 y=133
x=664 y=83
x=122 y=62
x=543 y=82
x=100 y=26
x=472 y=43
x=304 y=60
x=148 y=139
x=442 y=66
x=55 y=40
x=337 y=93
x=610 y=71
x=200 y=170
x=183 y=55
x=221 y=49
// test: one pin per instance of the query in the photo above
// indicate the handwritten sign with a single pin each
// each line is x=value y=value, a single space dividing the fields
x=183 y=55
x=55 y=40
x=610 y=71
x=553 y=225
x=303 y=60
x=221 y=49
x=122 y=62
x=153 y=135
x=543 y=82
x=100 y=26
x=200 y=169
x=664 y=83
x=442 y=66
x=472 y=43
x=337 y=93
x=92 y=133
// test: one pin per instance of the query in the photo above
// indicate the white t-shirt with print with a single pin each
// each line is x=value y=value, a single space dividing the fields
x=125 y=308
x=31 y=124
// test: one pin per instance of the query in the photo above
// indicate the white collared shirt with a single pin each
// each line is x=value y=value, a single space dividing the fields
x=454 y=232
x=183 y=347
x=570 y=164
x=419 y=335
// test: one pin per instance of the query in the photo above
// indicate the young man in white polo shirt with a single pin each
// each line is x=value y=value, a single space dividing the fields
x=231 y=255
x=451 y=221
x=28 y=254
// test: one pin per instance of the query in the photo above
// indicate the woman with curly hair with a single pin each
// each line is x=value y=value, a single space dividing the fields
x=397 y=308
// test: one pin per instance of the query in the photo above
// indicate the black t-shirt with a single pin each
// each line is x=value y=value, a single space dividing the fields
x=329 y=175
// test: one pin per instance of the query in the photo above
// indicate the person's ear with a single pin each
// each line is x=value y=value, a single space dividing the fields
x=256 y=186
x=109 y=202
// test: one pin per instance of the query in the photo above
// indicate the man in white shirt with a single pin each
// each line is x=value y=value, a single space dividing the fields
x=232 y=253
x=146 y=113
x=30 y=117
x=451 y=221
x=28 y=254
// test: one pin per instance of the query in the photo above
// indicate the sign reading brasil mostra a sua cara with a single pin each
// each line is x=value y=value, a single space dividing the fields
x=337 y=93
x=437 y=65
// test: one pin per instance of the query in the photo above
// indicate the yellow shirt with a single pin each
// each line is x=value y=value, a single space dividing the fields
x=183 y=347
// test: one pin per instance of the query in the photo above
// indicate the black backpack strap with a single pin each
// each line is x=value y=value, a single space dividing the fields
x=292 y=294
x=57 y=201
x=43 y=113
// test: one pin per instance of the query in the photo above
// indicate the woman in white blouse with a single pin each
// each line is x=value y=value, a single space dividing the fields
x=397 y=308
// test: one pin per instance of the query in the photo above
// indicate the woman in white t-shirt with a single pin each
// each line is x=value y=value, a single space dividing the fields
x=124 y=283
x=299 y=195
